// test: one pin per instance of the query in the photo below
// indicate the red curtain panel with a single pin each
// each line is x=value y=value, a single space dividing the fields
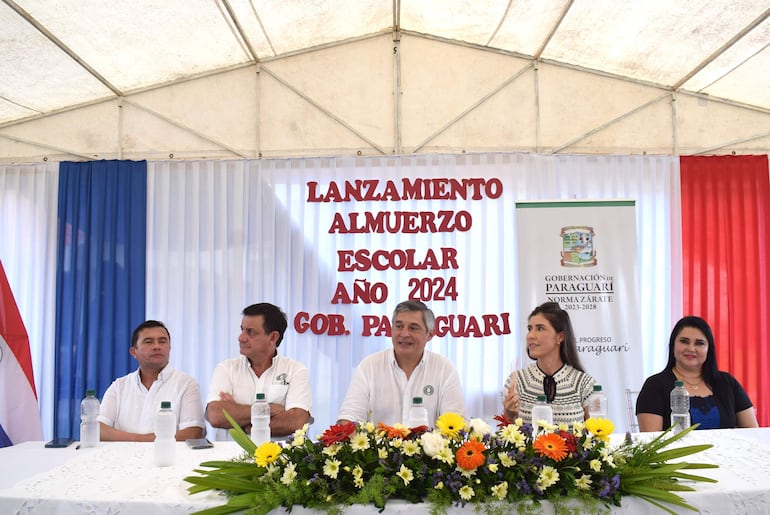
x=726 y=263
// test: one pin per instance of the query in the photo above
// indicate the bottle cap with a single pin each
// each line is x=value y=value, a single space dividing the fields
x=541 y=398
x=679 y=383
x=597 y=388
x=165 y=404
x=90 y=393
x=416 y=400
x=260 y=396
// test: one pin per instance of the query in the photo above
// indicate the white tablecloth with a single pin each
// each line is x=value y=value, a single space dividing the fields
x=120 y=479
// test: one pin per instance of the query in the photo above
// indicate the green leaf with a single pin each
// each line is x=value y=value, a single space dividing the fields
x=219 y=510
x=240 y=437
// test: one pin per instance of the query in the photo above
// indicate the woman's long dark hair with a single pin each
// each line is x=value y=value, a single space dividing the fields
x=561 y=322
x=709 y=370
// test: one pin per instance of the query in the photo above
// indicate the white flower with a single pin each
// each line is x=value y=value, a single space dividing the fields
x=466 y=492
x=289 y=474
x=548 y=476
x=500 y=490
x=333 y=449
x=332 y=468
x=432 y=443
x=411 y=447
x=405 y=474
x=584 y=482
x=479 y=427
x=505 y=460
x=358 y=476
x=359 y=441
x=446 y=455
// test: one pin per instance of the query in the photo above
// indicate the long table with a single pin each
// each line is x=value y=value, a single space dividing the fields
x=120 y=478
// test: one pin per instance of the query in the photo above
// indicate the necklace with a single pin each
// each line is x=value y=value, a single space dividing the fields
x=680 y=376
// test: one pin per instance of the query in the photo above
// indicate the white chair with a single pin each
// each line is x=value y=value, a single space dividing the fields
x=633 y=425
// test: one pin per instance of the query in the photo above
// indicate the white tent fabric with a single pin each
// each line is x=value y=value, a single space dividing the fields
x=250 y=78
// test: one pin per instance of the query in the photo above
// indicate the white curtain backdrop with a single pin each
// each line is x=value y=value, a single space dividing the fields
x=225 y=234
x=28 y=198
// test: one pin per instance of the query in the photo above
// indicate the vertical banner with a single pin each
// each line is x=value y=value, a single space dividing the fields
x=583 y=255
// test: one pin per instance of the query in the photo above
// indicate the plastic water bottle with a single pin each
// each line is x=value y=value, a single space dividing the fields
x=680 y=407
x=418 y=415
x=165 y=431
x=597 y=403
x=260 y=420
x=541 y=411
x=89 y=423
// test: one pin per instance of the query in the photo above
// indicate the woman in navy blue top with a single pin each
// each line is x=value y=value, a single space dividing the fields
x=717 y=399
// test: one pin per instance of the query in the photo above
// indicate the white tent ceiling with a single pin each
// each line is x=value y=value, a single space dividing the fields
x=56 y=54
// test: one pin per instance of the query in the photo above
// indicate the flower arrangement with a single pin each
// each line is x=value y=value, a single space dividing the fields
x=459 y=462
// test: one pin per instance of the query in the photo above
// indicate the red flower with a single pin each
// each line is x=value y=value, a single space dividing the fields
x=470 y=455
x=416 y=431
x=569 y=440
x=502 y=420
x=337 y=433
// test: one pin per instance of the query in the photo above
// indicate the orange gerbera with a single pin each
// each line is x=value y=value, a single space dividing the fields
x=393 y=432
x=470 y=455
x=551 y=445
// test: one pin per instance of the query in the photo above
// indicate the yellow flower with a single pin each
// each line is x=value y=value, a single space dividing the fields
x=369 y=427
x=359 y=441
x=450 y=424
x=492 y=467
x=411 y=447
x=333 y=449
x=446 y=455
x=289 y=474
x=510 y=434
x=382 y=453
x=584 y=482
x=332 y=468
x=548 y=476
x=405 y=474
x=500 y=490
x=466 y=492
x=267 y=453
x=505 y=460
x=595 y=465
x=600 y=427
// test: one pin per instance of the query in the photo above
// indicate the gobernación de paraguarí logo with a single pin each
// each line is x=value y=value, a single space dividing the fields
x=578 y=246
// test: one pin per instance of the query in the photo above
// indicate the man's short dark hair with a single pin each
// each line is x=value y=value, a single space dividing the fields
x=274 y=318
x=146 y=325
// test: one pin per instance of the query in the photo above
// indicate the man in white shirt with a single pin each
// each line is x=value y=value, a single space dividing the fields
x=259 y=369
x=384 y=383
x=129 y=406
